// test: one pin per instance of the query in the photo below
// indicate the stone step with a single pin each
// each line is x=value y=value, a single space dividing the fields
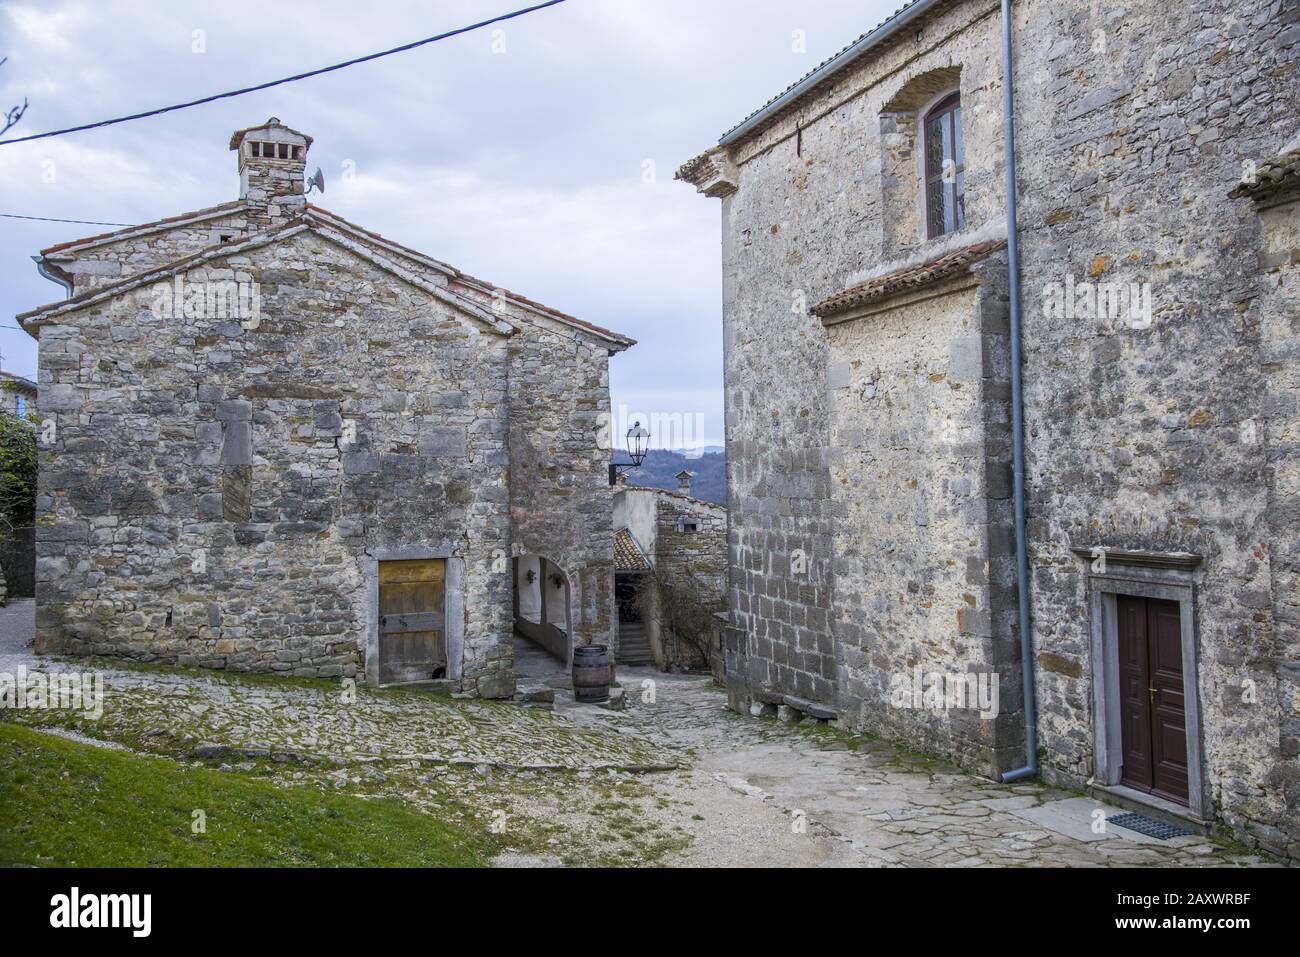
x=635 y=655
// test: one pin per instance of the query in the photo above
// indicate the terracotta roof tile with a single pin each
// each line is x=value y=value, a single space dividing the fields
x=628 y=556
x=903 y=280
x=1273 y=178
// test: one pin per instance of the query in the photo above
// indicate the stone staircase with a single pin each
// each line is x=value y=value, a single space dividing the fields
x=634 y=644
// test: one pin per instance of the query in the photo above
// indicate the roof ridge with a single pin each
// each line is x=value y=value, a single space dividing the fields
x=257 y=240
x=668 y=491
x=454 y=274
x=459 y=275
x=843 y=58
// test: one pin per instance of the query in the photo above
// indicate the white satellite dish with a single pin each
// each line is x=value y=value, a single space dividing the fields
x=316 y=181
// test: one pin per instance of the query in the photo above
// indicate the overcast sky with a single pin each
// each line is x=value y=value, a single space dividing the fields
x=540 y=158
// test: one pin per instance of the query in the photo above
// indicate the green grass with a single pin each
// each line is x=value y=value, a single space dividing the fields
x=64 y=803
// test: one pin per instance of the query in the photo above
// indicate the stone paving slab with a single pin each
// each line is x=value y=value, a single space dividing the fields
x=888 y=807
x=745 y=791
x=219 y=714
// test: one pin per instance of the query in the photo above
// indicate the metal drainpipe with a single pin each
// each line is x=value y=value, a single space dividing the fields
x=1017 y=411
x=43 y=269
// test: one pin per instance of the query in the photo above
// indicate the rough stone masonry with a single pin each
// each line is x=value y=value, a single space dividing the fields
x=868 y=399
x=249 y=407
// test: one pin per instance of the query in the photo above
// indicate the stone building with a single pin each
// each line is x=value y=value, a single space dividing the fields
x=17 y=395
x=871 y=408
x=285 y=443
x=670 y=560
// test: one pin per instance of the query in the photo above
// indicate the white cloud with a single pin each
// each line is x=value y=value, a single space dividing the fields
x=523 y=168
x=47 y=29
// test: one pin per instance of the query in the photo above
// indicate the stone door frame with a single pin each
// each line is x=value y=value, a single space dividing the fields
x=1166 y=576
x=453 y=604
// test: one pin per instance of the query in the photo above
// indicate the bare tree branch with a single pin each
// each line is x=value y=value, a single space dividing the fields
x=14 y=115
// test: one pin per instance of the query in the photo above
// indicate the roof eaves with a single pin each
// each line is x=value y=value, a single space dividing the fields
x=673 y=493
x=20 y=382
x=127 y=283
x=905 y=280
x=237 y=137
x=827 y=69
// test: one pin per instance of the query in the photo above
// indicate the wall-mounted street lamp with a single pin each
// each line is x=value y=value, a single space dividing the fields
x=637 y=440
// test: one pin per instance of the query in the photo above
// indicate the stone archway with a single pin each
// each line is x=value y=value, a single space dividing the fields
x=543 y=607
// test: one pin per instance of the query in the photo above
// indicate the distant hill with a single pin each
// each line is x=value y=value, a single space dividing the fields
x=660 y=468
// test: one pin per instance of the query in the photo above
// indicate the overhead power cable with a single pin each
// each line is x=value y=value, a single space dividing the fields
x=289 y=79
x=51 y=219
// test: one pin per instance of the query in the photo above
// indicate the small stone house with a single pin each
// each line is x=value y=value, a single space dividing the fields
x=870 y=383
x=285 y=443
x=17 y=395
x=670 y=555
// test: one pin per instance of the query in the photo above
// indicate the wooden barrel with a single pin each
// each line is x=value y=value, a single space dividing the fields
x=591 y=673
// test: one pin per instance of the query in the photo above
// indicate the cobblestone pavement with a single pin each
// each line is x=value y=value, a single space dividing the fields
x=214 y=713
x=674 y=779
x=872 y=805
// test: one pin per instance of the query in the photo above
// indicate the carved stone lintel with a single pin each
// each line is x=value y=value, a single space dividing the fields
x=1185 y=561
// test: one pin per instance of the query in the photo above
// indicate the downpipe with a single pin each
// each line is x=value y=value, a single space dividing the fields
x=1017 y=412
x=43 y=268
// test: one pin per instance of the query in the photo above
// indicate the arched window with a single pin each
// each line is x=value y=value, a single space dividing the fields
x=945 y=171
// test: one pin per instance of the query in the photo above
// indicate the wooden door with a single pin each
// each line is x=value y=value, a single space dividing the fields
x=412 y=625
x=1153 y=718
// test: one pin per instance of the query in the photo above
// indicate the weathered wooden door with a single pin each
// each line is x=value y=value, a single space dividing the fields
x=412 y=624
x=1153 y=716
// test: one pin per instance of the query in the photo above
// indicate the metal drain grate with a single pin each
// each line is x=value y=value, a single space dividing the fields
x=1161 y=830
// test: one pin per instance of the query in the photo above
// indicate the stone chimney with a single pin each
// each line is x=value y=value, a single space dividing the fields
x=272 y=161
x=684 y=482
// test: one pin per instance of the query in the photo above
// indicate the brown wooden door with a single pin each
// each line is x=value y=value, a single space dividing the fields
x=412 y=626
x=1153 y=718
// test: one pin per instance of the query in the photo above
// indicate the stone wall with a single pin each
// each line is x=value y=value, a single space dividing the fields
x=560 y=504
x=93 y=265
x=691 y=574
x=215 y=485
x=221 y=487
x=921 y=482
x=1280 y=363
x=809 y=216
x=1171 y=435
x=1134 y=124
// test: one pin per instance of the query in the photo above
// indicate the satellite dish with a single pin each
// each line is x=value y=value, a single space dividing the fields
x=317 y=181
